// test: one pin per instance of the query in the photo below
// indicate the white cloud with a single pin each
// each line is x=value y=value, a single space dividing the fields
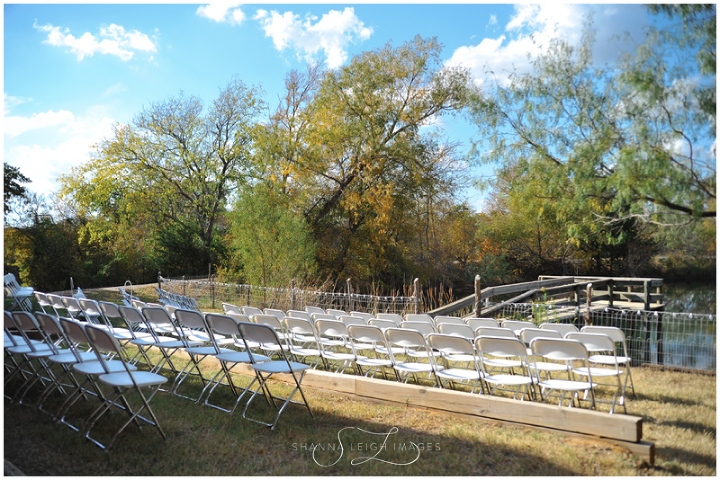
x=222 y=11
x=112 y=40
x=532 y=27
x=15 y=125
x=331 y=34
x=54 y=142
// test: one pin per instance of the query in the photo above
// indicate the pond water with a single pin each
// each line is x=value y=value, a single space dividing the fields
x=691 y=297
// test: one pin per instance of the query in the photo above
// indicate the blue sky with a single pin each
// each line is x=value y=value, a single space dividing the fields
x=72 y=70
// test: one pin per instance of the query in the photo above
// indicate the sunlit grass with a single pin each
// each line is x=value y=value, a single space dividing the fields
x=678 y=411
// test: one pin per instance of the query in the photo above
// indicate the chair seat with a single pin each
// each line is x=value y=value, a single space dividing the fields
x=45 y=353
x=415 y=367
x=559 y=384
x=459 y=374
x=123 y=379
x=234 y=357
x=70 y=358
x=508 y=379
x=207 y=350
x=96 y=368
x=278 y=366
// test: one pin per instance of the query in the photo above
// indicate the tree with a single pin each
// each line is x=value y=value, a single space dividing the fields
x=170 y=175
x=273 y=245
x=13 y=188
x=596 y=148
x=354 y=149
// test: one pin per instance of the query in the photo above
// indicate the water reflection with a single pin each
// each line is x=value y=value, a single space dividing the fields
x=691 y=297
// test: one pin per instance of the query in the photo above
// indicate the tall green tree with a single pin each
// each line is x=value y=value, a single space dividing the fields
x=356 y=150
x=601 y=149
x=13 y=188
x=170 y=175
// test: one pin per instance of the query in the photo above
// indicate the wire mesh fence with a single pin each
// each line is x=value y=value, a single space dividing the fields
x=669 y=339
x=210 y=294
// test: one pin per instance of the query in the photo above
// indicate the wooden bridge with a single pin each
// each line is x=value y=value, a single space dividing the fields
x=567 y=294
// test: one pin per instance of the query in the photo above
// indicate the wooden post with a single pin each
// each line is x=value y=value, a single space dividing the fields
x=478 y=296
x=416 y=294
x=292 y=294
x=159 y=281
x=349 y=295
x=588 y=317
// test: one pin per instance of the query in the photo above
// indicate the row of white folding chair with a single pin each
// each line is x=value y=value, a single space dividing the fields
x=259 y=340
x=79 y=349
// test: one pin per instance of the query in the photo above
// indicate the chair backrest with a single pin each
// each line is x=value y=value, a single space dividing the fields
x=423 y=327
x=382 y=323
x=477 y=322
x=451 y=344
x=190 y=319
x=51 y=330
x=331 y=328
x=517 y=325
x=562 y=328
x=256 y=333
x=366 y=334
x=105 y=346
x=11 y=282
x=249 y=311
x=276 y=312
x=26 y=324
x=594 y=342
x=229 y=307
x=269 y=320
x=109 y=309
x=616 y=334
x=559 y=349
x=440 y=319
x=494 y=332
x=350 y=320
x=325 y=316
x=224 y=324
x=56 y=302
x=527 y=334
x=364 y=315
x=394 y=317
x=337 y=312
x=419 y=317
x=299 y=326
x=501 y=347
x=299 y=314
x=310 y=309
x=461 y=330
x=405 y=337
x=132 y=316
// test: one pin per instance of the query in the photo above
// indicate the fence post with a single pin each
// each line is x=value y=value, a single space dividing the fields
x=184 y=286
x=588 y=300
x=478 y=295
x=292 y=294
x=159 y=281
x=416 y=294
x=349 y=295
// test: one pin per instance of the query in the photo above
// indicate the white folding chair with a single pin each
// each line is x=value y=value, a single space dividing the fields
x=264 y=370
x=460 y=330
x=527 y=335
x=364 y=315
x=229 y=327
x=230 y=308
x=64 y=358
x=562 y=328
x=396 y=318
x=276 y=312
x=310 y=309
x=190 y=319
x=158 y=321
x=477 y=322
x=124 y=386
x=303 y=341
x=337 y=312
x=512 y=366
x=87 y=367
x=425 y=328
x=43 y=301
x=569 y=352
x=369 y=341
x=601 y=345
x=382 y=323
x=618 y=336
x=459 y=361
x=20 y=295
x=415 y=349
x=335 y=348
x=350 y=320
x=249 y=311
